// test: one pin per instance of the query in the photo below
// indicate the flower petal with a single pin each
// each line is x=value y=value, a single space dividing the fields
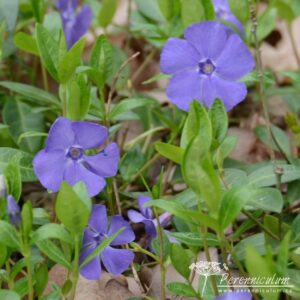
x=88 y=237
x=92 y=270
x=82 y=23
x=105 y=163
x=209 y=92
x=49 y=168
x=183 y=88
x=178 y=55
x=150 y=228
x=61 y=135
x=235 y=60
x=116 y=261
x=146 y=211
x=64 y=5
x=231 y=93
x=235 y=296
x=126 y=236
x=209 y=38
x=89 y=135
x=134 y=216
x=98 y=218
x=76 y=171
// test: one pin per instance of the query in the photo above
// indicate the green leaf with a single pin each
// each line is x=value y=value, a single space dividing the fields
x=195 y=239
x=48 y=49
x=41 y=279
x=31 y=93
x=9 y=235
x=107 y=12
x=281 y=138
x=253 y=260
x=26 y=43
x=52 y=251
x=267 y=199
x=232 y=203
x=181 y=260
x=192 y=11
x=256 y=240
x=51 y=231
x=197 y=124
x=30 y=134
x=265 y=176
x=209 y=9
x=3 y=254
x=167 y=8
x=70 y=61
x=131 y=162
x=73 y=207
x=6 y=154
x=283 y=255
x=73 y=101
x=171 y=152
x=219 y=122
x=235 y=177
x=8 y=13
x=266 y=22
x=9 y=295
x=27 y=219
x=181 y=289
x=129 y=104
x=200 y=175
x=101 y=60
x=12 y=175
x=20 y=118
x=180 y=211
x=105 y=242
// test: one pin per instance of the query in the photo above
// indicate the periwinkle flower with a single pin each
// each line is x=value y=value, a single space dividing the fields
x=235 y=296
x=206 y=65
x=147 y=217
x=13 y=210
x=115 y=260
x=224 y=13
x=64 y=157
x=75 y=25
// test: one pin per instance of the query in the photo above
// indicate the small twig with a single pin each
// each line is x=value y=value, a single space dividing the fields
x=117 y=197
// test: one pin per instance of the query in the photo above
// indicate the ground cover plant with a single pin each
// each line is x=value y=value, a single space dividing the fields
x=149 y=149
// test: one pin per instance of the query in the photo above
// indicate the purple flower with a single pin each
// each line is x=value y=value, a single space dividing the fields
x=74 y=25
x=64 y=158
x=13 y=210
x=206 y=65
x=235 y=296
x=224 y=13
x=114 y=260
x=146 y=216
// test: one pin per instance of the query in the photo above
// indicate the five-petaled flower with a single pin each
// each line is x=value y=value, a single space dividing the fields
x=74 y=25
x=13 y=210
x=147 y=217
x=64 y=158
x=224 y=13
x=114 y=260
x=206 y=65
x=235 y=296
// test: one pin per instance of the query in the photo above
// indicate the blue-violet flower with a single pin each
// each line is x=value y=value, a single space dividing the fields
x=147 y=217
x=114 y=260
x=13 y=210
x=64 y=158
x=75 y=25
x=224 y=13
x=206 y=65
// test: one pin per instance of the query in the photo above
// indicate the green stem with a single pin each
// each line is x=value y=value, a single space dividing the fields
x=29 y=276
x=75 y=274
x=10 y=281
x=45 y=78
x=161 y=260
x=208 y=258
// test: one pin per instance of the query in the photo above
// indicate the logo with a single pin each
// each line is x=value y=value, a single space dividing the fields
x=258 y=284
